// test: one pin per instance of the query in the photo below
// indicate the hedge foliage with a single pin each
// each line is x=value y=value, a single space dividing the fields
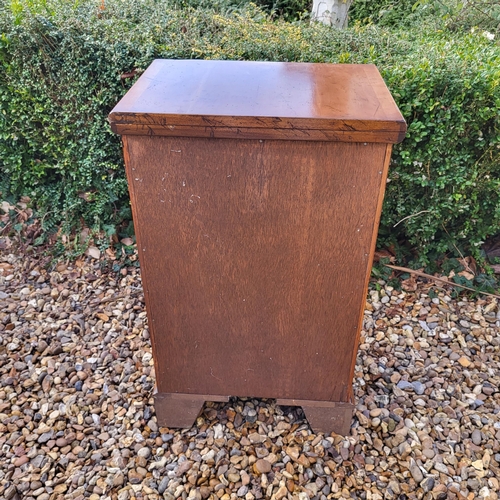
x=63 y=68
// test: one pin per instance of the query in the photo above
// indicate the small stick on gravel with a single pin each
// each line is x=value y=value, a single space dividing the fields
x=442 y=280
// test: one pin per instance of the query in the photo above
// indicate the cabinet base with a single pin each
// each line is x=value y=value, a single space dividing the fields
x=324 y=416
x=181 y=410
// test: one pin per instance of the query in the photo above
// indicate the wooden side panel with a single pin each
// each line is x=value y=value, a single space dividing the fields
x=373 y=244
x=254 y=256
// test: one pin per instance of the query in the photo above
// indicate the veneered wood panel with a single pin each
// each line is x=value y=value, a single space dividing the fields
x=377 y=214
x=271 y=100
x=290 y=134
x=254 y=256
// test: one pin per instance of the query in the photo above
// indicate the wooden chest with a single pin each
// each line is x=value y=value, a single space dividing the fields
x=256 y=191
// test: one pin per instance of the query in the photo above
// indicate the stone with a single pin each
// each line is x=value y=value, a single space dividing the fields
x=46 y=436
x=416 y=473
x=10 y=492
x=233 y=477
x=163 y=485
x=262 y=466
x=281 y=493
x=18 y=462
x=440 y=467
x=404 y=385
x=476 y=437
x=118 y=479
x=205 y=492
x=134 y=477
x=464 y=361
x=420 y=390
x=242 y=491
x=418 y=387
x=478 y=465
x=427 y=484
x=144 y=452
x=256 y=438
x=177 y=448
x=61 y=442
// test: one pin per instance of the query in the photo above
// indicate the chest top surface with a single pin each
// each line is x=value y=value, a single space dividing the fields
x=340 y=99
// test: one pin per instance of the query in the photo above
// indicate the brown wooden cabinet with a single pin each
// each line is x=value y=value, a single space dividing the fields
x=256 y=192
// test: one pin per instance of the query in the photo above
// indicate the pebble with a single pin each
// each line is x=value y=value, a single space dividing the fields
x=416 y=473
x=262 y=466
x=464 y=361
x=77 y=418
x=18 y=462
x=404 y=385
x=428 y=484
x=476 y=437
x=418 y=387
x=163 y=485
x=144 y=452
x=135 y=477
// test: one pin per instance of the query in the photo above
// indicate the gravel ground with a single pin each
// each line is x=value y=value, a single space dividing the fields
x=77 y=418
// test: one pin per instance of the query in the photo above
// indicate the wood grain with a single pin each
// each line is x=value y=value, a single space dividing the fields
x=295 y=134
x=264 y=100
x=255 y=257
x=180 y=410
x=256 y=191
x=323 y=416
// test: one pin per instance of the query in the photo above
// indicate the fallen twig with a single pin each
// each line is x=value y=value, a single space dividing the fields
x=436 y=278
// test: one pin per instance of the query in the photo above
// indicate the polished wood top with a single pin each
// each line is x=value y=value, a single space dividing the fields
x=294 y=101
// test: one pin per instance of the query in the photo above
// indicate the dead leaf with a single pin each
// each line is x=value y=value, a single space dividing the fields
x=469 y=264
x=383 y=254
x=6 y=206
x=496 y=268
x=410 y=284
x=93 y=252
x=127 y=242
x=110 y=253
x=5 y=268
x=88 y=196
x=466 y=275
x=84 y=234
x=5 y=243
x=130 y=74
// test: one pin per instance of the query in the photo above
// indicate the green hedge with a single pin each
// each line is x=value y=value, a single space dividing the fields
x=62 y=73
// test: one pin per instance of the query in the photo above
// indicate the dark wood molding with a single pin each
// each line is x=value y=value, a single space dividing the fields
x=288 y=134
x=325 y=416
x=289 y=101
x=179 y=411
